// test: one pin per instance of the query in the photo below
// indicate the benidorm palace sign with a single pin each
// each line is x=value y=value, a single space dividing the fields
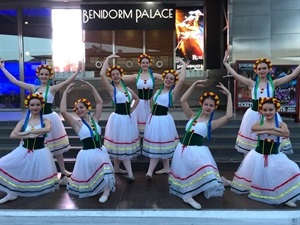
x=129 y=16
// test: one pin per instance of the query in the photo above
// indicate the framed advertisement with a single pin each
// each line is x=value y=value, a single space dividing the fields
x=286 y=93
x=189 y=26
x=242 y=92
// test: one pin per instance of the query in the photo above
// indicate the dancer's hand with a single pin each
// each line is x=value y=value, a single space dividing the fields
x=223 y=89
x=86 y=84
x=226 y=57
x=199 y=83
x=70 y=88
x=113 y=56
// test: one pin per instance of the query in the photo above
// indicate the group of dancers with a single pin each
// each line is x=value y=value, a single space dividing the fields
x=266 y=174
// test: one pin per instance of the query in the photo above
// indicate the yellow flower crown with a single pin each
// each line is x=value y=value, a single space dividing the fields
x=172 y=72
x=45 y=66
x=262 y=101
x=32 y=96
x=211 y=95
x=142 y=56
x=262 y=60
x=86 y=102
x=108 y=73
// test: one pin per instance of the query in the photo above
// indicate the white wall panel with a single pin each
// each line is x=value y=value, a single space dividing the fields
x=251 y=27
x=285 y=21
x=255 y=7
x=245 y=49
x=283 y=5
x=268 y=28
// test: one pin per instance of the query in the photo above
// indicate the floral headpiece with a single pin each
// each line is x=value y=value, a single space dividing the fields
x=32 y=96
x=211 y=95
x=262 y=101
x=262 y=60
x=45 y=66
x=172 y=72
x=110 y=69
x=86 y=102
x=142 y=56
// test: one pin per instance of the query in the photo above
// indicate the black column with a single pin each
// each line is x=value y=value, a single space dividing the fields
x=215 y=37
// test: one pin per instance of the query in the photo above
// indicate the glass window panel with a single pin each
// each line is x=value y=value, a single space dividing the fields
x=98 y=45
x=68 y=47
x=159 y=44
x=128 y=45
x=9 y=93
x=37 y=39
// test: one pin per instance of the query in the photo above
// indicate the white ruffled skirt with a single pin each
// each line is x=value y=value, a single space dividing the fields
x=93 y=173
x=160 y=137
x=194 y=170
x=57 y=139
x=122 y=136
x=28 y=173
x=274 y=179
x=142 y=112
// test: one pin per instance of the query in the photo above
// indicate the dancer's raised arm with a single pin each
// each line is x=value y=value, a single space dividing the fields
x=185 y=97
x=180 y=82
x=237 y=76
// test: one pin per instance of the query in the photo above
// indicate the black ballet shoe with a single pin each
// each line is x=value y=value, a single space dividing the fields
x=129 y=179
x=149 y=177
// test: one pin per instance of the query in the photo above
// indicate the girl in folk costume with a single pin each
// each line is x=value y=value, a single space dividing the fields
x=145 y=83
x=263 y=86
x=121 y=134
x=193 y=168
x=161 y=137
x=266 y=174
x=57 y=140
x=93 y=171
x=29 y=170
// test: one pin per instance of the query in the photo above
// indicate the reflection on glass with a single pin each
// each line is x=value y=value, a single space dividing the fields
x=9 y=93
x=128 y=45
x=98 y=45
x=159 y=44
x=67 y=40
x=37 y=39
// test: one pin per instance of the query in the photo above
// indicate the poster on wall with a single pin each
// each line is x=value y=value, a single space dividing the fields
x=243 y=93
x=189 y=25
x=286 y=93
